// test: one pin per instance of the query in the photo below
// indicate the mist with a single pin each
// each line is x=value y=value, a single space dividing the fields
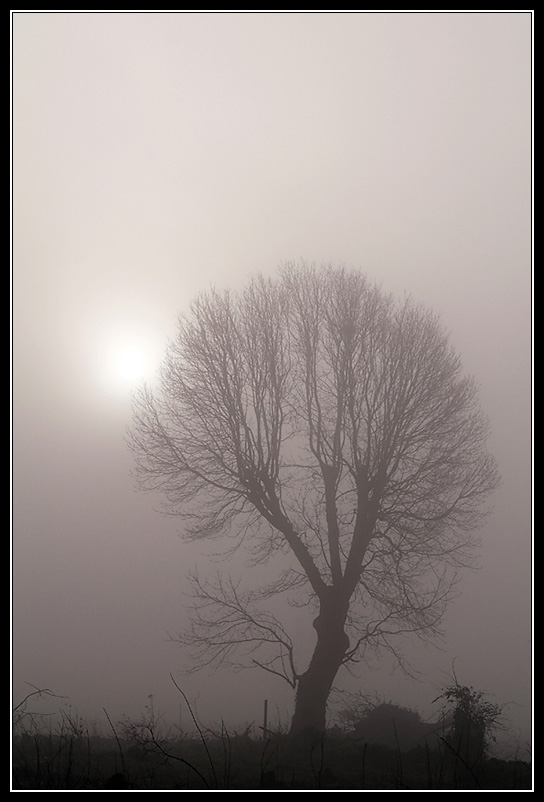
x=157 y=155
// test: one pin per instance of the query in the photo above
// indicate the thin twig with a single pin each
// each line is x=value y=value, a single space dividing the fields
x=198 y=728
x=117 y=739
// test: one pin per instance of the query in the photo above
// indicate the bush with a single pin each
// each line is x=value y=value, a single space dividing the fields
x=384 y=723
x=474 y=723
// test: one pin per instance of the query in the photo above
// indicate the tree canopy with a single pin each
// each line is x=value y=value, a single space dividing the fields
x=315 y=415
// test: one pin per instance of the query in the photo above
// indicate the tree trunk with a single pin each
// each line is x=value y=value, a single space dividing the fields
x=315 y=684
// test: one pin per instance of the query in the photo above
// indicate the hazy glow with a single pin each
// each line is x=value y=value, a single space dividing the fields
x=129 y=362
x=123 y=356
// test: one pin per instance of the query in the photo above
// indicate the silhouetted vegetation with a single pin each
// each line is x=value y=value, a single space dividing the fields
x=388 y=748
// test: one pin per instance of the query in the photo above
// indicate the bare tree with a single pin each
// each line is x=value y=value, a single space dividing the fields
x=315 y=416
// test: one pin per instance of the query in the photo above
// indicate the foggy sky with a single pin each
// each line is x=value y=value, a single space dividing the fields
x=158 y=154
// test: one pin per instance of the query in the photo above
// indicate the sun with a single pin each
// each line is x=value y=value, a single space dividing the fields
x=125 y=349
x=130 y=362
x=123 y=358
